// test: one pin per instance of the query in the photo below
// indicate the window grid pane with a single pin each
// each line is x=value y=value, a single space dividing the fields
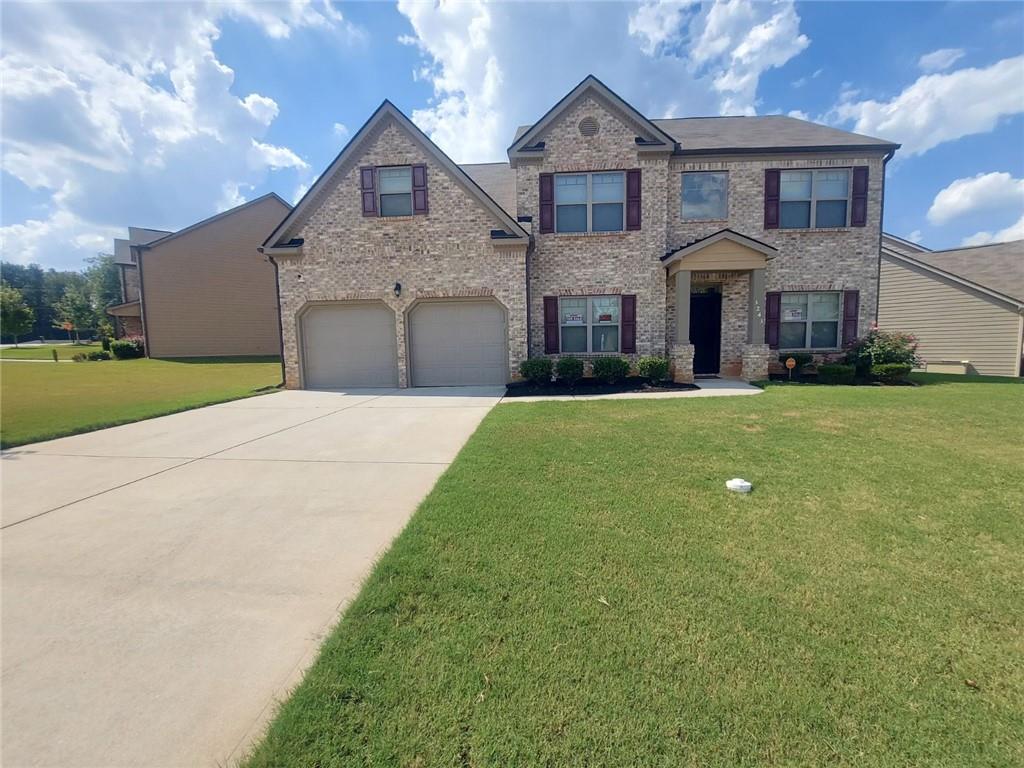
x=831 y=185
x=795 y=185
x=571 y=189
x=395 y=180
x=810 y=320
x=795 y=215
x=571 y=218
x=705 y=196
x=589 y=324
x=608 y=187
x=606 y=217
x=830 y=213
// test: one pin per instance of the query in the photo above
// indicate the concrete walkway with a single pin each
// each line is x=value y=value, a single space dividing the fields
x=708 y=388
x=165 y=582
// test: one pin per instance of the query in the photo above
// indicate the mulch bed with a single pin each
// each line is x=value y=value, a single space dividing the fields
x=594 y=387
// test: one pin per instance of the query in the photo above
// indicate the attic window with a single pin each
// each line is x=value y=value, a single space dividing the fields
x=588 y=127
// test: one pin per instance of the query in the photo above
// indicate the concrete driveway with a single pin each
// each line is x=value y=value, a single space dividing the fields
x=166 y=582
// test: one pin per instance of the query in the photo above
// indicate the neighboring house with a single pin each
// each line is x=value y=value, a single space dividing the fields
x=205 y=290
x=965 y=305
x=714 y=241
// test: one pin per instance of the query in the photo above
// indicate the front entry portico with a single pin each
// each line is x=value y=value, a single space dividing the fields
x=734 y=264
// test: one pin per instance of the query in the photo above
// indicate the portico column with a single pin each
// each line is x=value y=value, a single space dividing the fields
x=683 y=306
x=755 y=308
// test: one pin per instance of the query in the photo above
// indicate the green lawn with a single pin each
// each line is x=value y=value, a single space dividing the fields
x=581 y=590
x=39 y=401
x=45 y=351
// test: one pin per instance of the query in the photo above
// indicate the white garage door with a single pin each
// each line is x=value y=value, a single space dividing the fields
x=349 y=345
x=458 y=343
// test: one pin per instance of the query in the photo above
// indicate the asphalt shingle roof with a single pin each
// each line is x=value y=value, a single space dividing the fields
x=498 y=180
x=998 y=267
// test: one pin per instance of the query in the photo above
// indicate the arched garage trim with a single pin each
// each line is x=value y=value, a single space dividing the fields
x=306 y=339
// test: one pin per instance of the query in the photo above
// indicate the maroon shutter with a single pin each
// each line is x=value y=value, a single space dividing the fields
x=851 y=308
x=633 y=199
x=368 y=187
x=547 y=205
x=629 y=322
x=419 y=189
x=771 y=199
x=859 y=199
x=550 y=325
x=772 y=315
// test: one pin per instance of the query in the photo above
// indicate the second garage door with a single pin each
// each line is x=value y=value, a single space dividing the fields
x=458 y=343
x=349 y=345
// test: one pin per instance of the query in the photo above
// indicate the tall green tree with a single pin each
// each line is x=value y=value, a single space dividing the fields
x=16 y=317
x=76 y=310
x=104 y=283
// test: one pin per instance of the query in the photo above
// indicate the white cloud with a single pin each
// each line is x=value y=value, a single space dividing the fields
x=986 y=192
x=915 y=236
x=798 y=114
x=658 y=23
x=231 y=196
x=123 y=114
x=300 y=191
x=941 y=107
x=341 y=131
x=800 y=82
x=944 y=58
x=1013 y=232
x=263 y=108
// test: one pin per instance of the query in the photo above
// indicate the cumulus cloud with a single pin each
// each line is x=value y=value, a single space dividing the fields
x=341 y=131
x=800 y=82
x=915 y=236
x=121 y=112
x=944 y=58
x=1013 y=232
x=986 y=192
x=658 y=24
x=940 y=107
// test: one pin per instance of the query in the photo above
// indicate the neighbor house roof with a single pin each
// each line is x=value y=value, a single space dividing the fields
x=513 y=231
x=496 y=179
x=902 y=245
x=763 y=133
x=211 y=219
x=998 y=267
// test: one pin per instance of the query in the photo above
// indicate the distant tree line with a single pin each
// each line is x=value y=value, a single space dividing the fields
x=53 y=298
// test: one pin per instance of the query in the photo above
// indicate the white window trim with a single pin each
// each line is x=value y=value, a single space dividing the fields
x=682 y=203
x=590 y=204
x=807 y=323
x=814 y=196
x=380 y=194
x=590 y=324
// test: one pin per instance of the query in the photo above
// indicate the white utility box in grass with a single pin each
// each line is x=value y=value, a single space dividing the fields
x=739 y=485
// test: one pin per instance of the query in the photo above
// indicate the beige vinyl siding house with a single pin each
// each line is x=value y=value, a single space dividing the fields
x=207 y=291
x=956 y=319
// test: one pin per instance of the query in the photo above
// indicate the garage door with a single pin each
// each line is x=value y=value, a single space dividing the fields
x=349 y=345
x=458 y=343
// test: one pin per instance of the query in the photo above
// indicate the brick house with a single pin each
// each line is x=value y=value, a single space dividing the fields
x=717 y=242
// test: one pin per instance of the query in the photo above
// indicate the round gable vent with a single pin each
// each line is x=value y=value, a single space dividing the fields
x=589 y=127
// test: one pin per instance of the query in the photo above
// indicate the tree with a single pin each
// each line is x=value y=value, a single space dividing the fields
x=74 y=311
x=16 y=317
x=103 y=280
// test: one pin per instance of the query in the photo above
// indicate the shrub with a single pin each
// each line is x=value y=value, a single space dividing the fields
x=100 y=354
x=802 y=359
x=569 y=370
x=80 y=357
x=891 y=373
x=611 y=369
x=653 y=369
x=126 y=349
x=536 y=370
x=880 y=348
x=105 y=341
x=836 y=373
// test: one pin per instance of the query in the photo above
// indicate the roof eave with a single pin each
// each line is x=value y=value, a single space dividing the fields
x=1018 y=303
x=880 y=148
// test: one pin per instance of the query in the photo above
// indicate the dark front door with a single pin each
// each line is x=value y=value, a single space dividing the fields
x=706 y=331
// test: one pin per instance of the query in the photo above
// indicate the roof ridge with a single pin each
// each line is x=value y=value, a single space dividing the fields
x=972 y=247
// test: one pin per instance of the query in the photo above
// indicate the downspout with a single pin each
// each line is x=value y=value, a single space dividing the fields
x=881 y=228
x=529 y=311
x=280 y=325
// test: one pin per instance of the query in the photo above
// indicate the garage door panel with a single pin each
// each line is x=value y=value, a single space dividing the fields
x=458 y=343
x=349 y=345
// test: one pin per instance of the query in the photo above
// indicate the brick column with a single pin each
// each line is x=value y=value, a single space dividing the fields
x=755 y=362
x=681 y=358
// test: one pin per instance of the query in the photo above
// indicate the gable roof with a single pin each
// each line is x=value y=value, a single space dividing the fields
x=997 y=268
x=768 y=251
x=659 y=139
x=498 y=180
x=384 y=111
x=895 y=243
x=211 y=220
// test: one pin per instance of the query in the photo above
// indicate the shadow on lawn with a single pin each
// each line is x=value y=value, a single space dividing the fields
x=221 y=360
x=928 y=379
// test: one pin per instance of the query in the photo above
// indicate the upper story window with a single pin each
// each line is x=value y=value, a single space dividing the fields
x=705 y=196
x=590 y=202
x=395 y=191
x=810 y=321
x=589 y=324
x=814 y=199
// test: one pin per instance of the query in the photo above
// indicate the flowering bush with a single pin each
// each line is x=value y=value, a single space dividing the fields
x=880 y=347
x=125 y=349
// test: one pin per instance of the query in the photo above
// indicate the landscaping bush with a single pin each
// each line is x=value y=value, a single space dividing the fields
x=569 y=370
x=126 y=349
x=611 y=369
x=836 y=373
x=536 y=370
x=802 y=359
x=891 y=373
x=105 y=341
x=80 y=357
x=100 y=354
x=654 y=369
x=880 y=348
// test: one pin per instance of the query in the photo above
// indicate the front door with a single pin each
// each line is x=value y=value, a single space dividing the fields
x=706 y=331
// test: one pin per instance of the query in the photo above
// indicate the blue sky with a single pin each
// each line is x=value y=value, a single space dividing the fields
x=160 y=114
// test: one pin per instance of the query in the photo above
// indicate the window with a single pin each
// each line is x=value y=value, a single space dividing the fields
x=395 y=191
x=814 y=199
x=810 y=321
x=590 y=202
x=589 y=324
x=705 y=196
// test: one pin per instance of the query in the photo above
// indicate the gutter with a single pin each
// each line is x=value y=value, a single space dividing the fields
x=280 y=325
x=530 y=248
x=881 y=231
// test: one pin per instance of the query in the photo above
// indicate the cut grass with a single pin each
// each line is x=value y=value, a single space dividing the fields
x=41 y=401
x=45 y=351
x=580 y=590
